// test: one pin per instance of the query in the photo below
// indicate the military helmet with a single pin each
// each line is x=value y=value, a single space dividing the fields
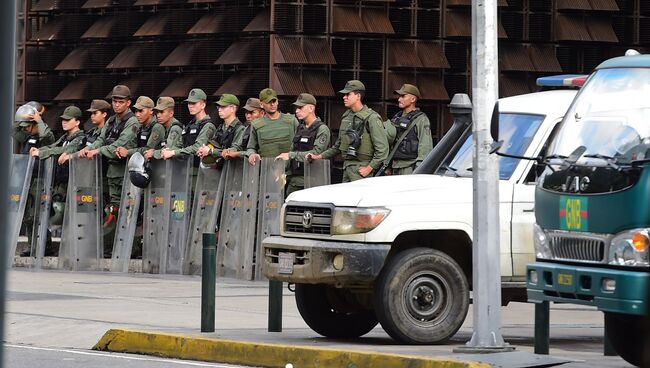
x=139 y=170
x=24 y=113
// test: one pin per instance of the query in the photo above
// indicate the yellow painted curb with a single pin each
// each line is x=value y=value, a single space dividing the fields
x=261 y=354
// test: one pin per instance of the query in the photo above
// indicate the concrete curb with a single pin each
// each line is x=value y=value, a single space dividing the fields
x=261 y=354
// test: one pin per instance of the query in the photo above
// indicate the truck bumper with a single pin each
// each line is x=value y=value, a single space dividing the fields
x=585 y=285
x=313 y=261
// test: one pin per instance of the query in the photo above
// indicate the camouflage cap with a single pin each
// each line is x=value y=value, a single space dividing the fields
x=121 y=91
x=408 y=89
x=268 y=94
x=196 y=95
x=143 y=102
x=228 y=99
x=164 y=102
x=353 y=86
x=96 y=105
x=71 y=112
x=305 y=99
x=253 y=104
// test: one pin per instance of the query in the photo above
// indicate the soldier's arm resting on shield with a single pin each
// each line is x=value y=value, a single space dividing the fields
x=235 y=150
x=173 y=142
x=207 y=131
x=379 y=141
x=33 y=152
x=320 y=145
x=148 y=154
x=251 y=150
x=328 y=153
x=126 y=138
x=157 y=136
x=424 y=138
x=121 y=152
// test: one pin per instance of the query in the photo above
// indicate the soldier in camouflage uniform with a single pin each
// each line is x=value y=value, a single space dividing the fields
x=173 y=137
x=252 y=111
x=72 y=141
x=151 y=133
x=415 y=125
x=232 y=130
x=362 y=138
x=273 y=133
x=312 y=136
x=119 y=131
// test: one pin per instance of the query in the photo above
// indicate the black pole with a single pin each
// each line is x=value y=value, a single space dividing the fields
x=542 y=326
x=275 y=306
x=208 y=281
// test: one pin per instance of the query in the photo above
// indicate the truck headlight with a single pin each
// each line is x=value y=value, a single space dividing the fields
x=357 y=220
x=630 y=248
x=542 y=249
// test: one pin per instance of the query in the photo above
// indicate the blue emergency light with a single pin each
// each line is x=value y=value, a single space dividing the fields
x=565 y=80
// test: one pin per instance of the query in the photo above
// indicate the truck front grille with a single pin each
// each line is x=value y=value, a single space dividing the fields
x=307 y=219
x=577 y=247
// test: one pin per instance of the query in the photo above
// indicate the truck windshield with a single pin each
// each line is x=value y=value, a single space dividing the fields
x=609 y=118
x=516 y=130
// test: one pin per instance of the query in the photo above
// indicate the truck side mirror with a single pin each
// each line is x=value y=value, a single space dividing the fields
x=494 y=122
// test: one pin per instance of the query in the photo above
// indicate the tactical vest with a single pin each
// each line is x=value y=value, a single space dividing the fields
x=192 y=130
x=174 y=122
x=408 y=147
x=61 y=172
x=224 y=137
x=274 y=136
x=115 y=128
x=145 y=133
x=304 y=141
x=92 y=136
x=32 y=142
x=365 y=151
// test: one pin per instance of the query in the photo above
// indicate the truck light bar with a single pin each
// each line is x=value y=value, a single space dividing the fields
x=565 y=80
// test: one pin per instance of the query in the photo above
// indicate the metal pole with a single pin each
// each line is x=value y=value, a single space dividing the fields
x=7 y=90
x=486 y=252
x=275 y=306
x=208 y=281
x=542 y=328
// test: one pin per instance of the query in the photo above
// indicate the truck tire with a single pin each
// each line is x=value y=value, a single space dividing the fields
x=625 y=332
x=317 y=306
x=421 y=296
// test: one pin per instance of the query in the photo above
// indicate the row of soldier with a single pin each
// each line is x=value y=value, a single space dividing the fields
x=368 y=145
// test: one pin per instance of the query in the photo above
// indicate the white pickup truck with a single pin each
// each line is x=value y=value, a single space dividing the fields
x=398 y=249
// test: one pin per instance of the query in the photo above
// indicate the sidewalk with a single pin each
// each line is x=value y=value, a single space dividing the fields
x=160 y=315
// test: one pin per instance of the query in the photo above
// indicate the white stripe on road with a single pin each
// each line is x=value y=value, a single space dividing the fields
x=116 y=356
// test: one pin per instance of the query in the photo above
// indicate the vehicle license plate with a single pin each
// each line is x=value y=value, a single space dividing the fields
x=285 y=261
x=564 y=279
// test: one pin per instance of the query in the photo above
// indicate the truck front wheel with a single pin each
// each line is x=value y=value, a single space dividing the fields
x=421 y=296
x=625 y=332
x=332 y=312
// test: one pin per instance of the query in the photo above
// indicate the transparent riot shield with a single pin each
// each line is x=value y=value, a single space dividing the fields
x=317 y=173
x=272 y=182
x=19 y=180
x=43 y=205
x=156 y=216
x=236 y=248
x=208 y=195
x=82 y=244
x=127 y=221
x=178 y=181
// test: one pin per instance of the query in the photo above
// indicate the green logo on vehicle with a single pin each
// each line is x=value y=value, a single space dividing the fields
x=573 y=213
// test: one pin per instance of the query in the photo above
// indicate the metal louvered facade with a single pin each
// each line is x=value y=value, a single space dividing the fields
x=73 y=51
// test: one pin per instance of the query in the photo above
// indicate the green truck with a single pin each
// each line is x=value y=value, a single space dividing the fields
x=592 y=204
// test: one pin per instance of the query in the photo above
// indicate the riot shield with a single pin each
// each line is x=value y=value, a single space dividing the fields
x=82 y=244
x=178 y=181
x=317 y=173
x=156 y=215
x=208 y=195
x=43 y=205
x=272 y=182
x=127 y=221
x=238 y=214
x=19 y=180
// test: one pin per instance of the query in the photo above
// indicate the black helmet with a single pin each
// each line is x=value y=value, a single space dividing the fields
x=139 y=170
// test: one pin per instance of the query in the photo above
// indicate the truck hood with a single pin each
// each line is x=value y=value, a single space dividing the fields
x=390 y=190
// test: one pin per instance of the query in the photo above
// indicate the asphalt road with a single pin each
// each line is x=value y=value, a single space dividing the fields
x=22 y=356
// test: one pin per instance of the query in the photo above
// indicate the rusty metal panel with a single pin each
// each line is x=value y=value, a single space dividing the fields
x=168 y=23
x=431 y=87
x=318 y=51
x=607 y=5
x=347 y=20
x=248 y=83
x=512 y=86
x=570 y=28
x=140 y=55
x=514 y=57
x=245 y=51
x=261 y=22
x=287 y=82
x=122 y=25
x=544 y=59
x=78 y=89
x=210 y=23
x=431 y=55
x=51 y=30
x=469 y=3
x=100 y=4
x=102 y=28
x=62 y=27
x=403 y=54
x=317 y=83
x=288 y=50
x=195 y=52
x=573 y=4
x=87 y=57
x=600 y=29
x=459 y=24
x=376 y=21
x=181 y=86
x=49 y=5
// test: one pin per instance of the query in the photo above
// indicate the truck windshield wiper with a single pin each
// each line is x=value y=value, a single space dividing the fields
x=609 y=160
x=567 y=161
x=453 y=170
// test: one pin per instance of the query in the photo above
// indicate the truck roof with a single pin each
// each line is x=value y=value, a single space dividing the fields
x=548 y=103
x=632 y=61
